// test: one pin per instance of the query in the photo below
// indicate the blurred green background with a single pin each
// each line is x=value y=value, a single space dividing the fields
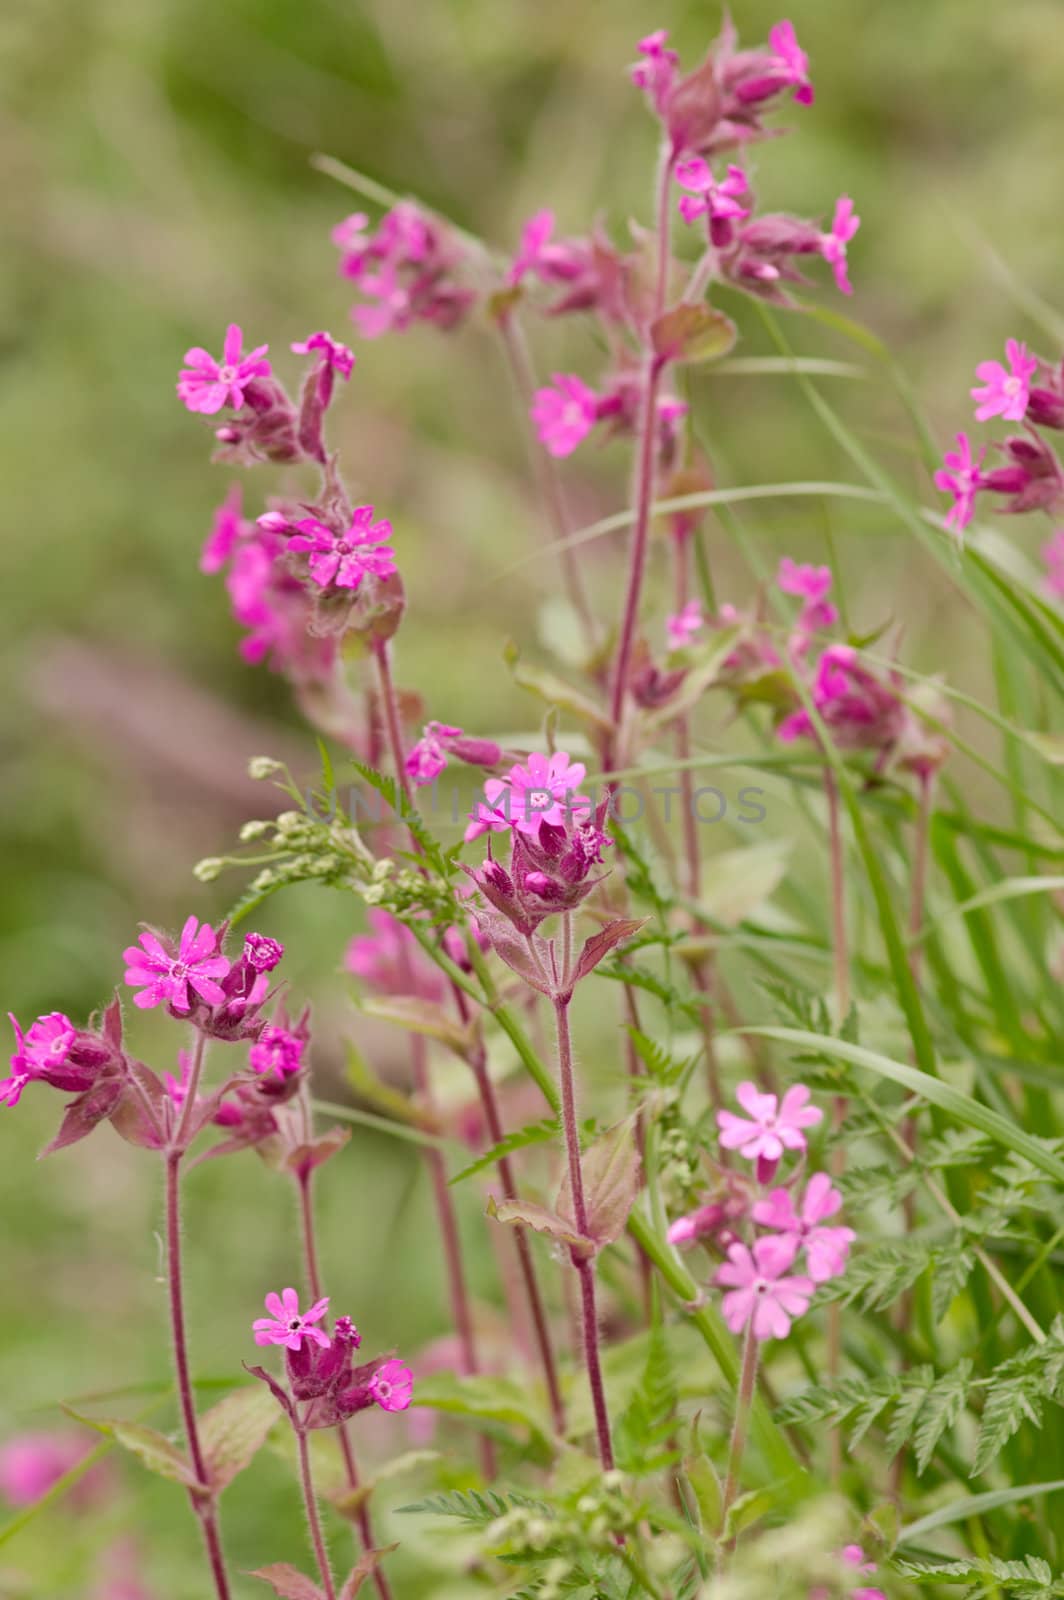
x=155 y=166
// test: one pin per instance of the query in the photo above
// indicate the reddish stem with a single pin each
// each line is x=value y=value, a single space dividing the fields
x=445 y=1214
x=737 y=1448
x=310 y=1501
x=537 y=1310
x=583 y=1264
x=314 y=1284
x=201 y=1498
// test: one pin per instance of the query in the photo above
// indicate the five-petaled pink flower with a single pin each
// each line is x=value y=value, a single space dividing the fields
x=392 y=1385
x=771 y=1126
x=207 y=385
x=165 y=975
x=681 y=627
x=1005 y=392
x=542 y=790
x=833 y=245
x=656 y=73
x=791 y=61
x=344 y=559
x=760 y=1290
x=564 y=414
x=289 y=1326
x=716 y=200
x=333 y=353
x=428 y=757
x=961 y=476
x=826 y=1249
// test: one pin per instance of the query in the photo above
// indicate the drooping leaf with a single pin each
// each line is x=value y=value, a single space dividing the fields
x=415 y=1015
x=529 y=1214
x=598 y=945
x=610 y=1170
x=693 y=333
x=233 y=1431
x=86 y=1112
x=364 y=1568
x=288 y=1582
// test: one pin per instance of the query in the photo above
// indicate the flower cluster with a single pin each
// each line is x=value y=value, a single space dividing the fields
x=439 y=741
x=197 y=982
x=763 y=1231
x=325 y=1387
x=1029 y=391
x=407 y=271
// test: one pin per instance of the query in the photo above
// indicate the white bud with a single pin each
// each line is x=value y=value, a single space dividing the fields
x=208 y=869
x=260 y=767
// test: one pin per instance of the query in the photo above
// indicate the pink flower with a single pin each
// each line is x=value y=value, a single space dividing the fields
x=261 y=952
x=1005 y=393
x=535 y=236
x=771 y=1127
x=351 y=235
x=656 y=73
x=813 y=585
x=333 y=354
x=392 y=1385
x=826 y=1249
x=791 y=61
x=164 y=975
x=289 y=1326
x=565 y=414
x=717 y=201
x=344 y=559
x=390 y=960
x=428 y=757
x=276 y=1054
x=227 y=529
x=1053 y=556
x=961 y=476
x=761 y=1293
x=833 y=244
x=681 y=628
x=543 y=790
x=32 y=1463
x=206 y=385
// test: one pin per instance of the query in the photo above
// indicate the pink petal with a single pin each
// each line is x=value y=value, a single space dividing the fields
x=275 y=1306
x=234 y=339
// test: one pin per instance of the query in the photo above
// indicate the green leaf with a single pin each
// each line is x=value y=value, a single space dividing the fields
x=610 y=1170
x=528 y=1214
x=233 y=1431
x=521 y=1139
x=736 y=882
x=152 y=1449
x=473 y=1505
x=415 y=1015
x=960 y=1105
x=975 y=1505
x=940 y=1412
x=693 y=333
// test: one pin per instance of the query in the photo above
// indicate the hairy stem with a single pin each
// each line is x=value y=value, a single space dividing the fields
x=504 y=1166
x=583 y=1264
x=645 y=463
x=740 y=1428
x=310 y=1502
x=201 y=1498
x=304 y=1185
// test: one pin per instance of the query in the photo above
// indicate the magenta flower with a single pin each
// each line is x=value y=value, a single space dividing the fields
x=564 y=414
x=833 y=244
x=717 y=201
x=206 y=385
x=961 y=476
x=344 y=559
x=826 y=1249
x=392 y=1385
x=261 y=952
x=390 y=960
x=276 y=1054
x=535 y=238
x=813 y=585
x=1005 y=393
x=760 y=1291
x=656 y=73
x=543 y=790
x=164 y=975
x=333 y=354
x=771 y=1126
x=345 y=1332
x=791 y=61
x=43 y=1047
x=1053 y=556
x=681 y=627
x=289 y=1326
x=428 y=757
x=31 y=1463
x=227 y=529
